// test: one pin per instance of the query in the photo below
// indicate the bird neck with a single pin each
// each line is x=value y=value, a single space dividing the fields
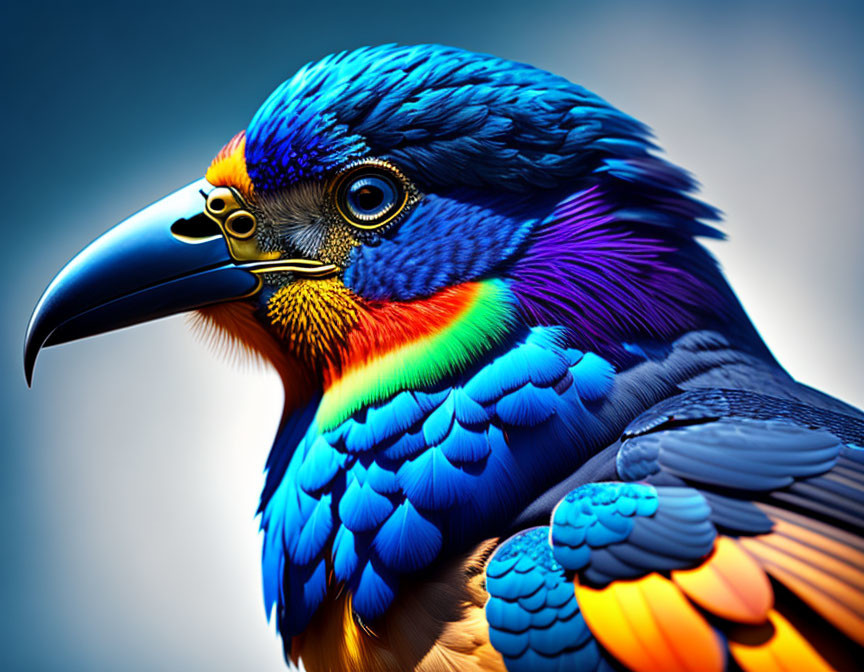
x=619 y=269
x=414 y=345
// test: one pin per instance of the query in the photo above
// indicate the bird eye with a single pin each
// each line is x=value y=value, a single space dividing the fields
x=370 y=195
x=368 y=199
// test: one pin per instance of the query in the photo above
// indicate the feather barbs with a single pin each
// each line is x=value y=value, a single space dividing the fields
x=233 y=330
x=730 y=584
x=228 y=169
x=650 y=626
x=438 y=624
x=590 y=270
x=314 y=317
x=412 y=345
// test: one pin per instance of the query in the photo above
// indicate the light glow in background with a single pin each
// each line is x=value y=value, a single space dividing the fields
x=131 y=472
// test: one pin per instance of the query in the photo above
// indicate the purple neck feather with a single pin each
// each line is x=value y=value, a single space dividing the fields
x=610 y=281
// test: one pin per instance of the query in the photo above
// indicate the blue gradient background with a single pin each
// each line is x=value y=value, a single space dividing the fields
x=130 y=473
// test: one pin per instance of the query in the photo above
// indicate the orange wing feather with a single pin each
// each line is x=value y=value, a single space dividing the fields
x=730 y=584
x=822 y=565
x=784 y=651
x=650 y=626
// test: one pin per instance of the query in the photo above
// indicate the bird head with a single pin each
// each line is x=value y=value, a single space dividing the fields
x=387 y=196
x=394 y=218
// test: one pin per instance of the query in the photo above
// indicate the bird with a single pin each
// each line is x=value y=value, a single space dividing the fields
x=527 y=423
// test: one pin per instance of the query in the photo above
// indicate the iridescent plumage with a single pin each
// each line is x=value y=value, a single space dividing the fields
x=527 y=422
x=430 y=436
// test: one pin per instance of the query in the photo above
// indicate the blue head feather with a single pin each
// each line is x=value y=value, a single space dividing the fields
x=449 y=118
x=499 y=149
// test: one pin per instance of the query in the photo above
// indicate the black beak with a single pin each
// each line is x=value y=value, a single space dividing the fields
x=166 y=259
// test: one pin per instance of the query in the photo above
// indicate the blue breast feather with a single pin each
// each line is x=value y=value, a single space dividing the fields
x=384 y=492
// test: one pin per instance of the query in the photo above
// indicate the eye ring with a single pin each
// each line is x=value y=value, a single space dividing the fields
x=372 y=193
x=241 y=224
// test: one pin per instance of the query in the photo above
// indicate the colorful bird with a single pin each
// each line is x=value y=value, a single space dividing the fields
x=527 y=424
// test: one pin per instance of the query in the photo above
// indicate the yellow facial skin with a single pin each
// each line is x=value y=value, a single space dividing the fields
x=238 y=223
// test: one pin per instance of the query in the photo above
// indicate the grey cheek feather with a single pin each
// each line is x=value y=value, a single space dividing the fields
x=294 y=220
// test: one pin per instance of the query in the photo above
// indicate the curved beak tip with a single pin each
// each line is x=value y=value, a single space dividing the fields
x=31 y=351
x=34 y=340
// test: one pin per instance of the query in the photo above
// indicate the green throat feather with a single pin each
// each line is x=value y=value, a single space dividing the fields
x=482 y=324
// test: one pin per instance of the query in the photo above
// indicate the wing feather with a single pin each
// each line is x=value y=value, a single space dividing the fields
x=730 y=584
x=783 y=650
x=741 y=538
x=650 y=626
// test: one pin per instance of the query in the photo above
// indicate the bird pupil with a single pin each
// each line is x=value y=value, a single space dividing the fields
x=369 y=198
